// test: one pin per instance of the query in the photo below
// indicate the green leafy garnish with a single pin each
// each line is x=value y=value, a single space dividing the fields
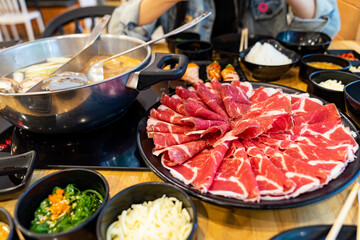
x=65 y=209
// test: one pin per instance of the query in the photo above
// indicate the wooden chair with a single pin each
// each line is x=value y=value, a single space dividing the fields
x=14 y=12
x=56 y=26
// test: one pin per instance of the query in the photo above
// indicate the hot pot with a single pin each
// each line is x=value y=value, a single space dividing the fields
x=90 y=106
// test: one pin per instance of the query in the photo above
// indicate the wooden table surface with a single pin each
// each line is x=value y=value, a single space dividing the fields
x=216 y=222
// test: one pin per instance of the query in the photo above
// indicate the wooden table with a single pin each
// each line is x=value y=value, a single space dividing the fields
x=216 y=222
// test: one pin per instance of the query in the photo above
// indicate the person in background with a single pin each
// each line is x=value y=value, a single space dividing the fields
x=139 y=18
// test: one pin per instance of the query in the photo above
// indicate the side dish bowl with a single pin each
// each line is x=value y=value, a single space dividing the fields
x=173 y=40
x=339 y=52
x=227 y=45
x=270 y=72
x=306 y=69
x=330 y=95
x=352 y=101
x=195 y=50
x=6 y=218
x=139 y=194
x=29 y=202
x=304 y=42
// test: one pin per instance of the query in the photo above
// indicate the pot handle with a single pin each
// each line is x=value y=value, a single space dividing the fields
x=155 y=73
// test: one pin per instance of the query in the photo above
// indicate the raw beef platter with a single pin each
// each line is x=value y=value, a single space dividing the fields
x=236 y=141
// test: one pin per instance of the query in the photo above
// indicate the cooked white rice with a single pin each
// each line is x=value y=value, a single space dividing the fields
x=266 y=54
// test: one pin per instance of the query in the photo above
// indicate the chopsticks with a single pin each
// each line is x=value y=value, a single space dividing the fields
x=244 y=39
x=335 y=229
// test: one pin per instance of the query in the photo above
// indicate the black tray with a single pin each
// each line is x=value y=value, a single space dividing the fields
x=316 y=232
x=146 y=145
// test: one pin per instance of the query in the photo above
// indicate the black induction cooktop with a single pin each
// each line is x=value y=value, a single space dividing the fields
x=111 y=146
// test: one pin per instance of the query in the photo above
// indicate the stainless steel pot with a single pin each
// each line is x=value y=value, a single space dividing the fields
x=86 y=107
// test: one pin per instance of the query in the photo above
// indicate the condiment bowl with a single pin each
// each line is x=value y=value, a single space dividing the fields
x=195 y=50
x=30 y=200
x=6 y=218
x=173 y=40
x=352 y=101
x=327 y=94
x=306 y=69
x=227 y=45
x=139 y=194
x=304 y=42
x=339 y=52
x=270 y=72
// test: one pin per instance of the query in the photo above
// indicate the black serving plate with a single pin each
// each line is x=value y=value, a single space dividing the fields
x=344 y=180
x=316 y=232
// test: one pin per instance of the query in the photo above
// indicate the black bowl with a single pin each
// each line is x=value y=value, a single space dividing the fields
x=227 y=45
x=6 y=218
x=352 y=101
x=329 y=95
x=306 y=70
x=270 y=72
x=338 y=52
x=16 y=172
x=173 y=40
x=195 y=50
x=138 y=194
x=304 y=42
x=31 y=199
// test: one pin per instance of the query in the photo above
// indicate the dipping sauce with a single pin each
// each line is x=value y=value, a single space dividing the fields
x=324 y=65
x=4 y=231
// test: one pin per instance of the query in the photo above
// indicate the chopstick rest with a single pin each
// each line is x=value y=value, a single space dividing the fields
x=334 y=231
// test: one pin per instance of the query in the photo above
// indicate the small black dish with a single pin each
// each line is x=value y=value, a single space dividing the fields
x=352 y=101
x=6 y=218
x=270 y=72
x=15 y=174
x=30 y=200
x=338 y=52
x=227 y=45
x=316 y=232
x=195 y=50
x=330 y=95
x=306 y=70
x=304 y=42
x=138 y=194
x=173 y=40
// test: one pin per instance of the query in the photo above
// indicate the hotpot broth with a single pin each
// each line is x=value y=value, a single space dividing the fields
x=40 y=51
x=29 y=77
